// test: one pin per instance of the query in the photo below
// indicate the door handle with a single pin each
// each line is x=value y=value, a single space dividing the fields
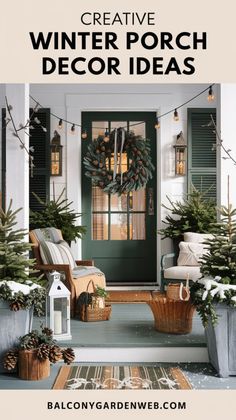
x=150 y=202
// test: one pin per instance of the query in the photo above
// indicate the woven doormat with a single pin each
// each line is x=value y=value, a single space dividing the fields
x=120 y=377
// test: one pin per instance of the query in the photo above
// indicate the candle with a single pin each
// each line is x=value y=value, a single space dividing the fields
x=57 y=322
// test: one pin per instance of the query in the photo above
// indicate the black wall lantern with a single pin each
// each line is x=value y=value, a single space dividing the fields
x=56 y=155
x=180 y=155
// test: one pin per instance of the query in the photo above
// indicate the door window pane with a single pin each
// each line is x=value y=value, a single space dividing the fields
x=119 y=203
x=118 y=124
x=119 y=229
x=99 y=199
x=100 y=226
x=138 y=130
x=99 y=128
x=137 y=226
x=137 y=200
x=121 y=163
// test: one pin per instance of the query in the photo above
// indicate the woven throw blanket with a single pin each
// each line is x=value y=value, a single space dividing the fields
x=120 y=377
x=81 y=271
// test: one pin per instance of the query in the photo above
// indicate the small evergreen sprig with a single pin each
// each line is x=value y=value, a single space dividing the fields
x=194 y=214
x=101 y=292
x=18 y=300
x=57 y=214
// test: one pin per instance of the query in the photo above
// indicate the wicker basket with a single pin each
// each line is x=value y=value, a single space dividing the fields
x=172 y=316
x=177 y=291
x=89 y=314
x=93 y=312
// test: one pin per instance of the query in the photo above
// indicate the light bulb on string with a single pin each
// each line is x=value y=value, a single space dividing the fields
x=157 y=125
x=106 y=136
x=211 y=95
x=72 y=130
x=176 y=115
x=84 y=134
x=60 y=124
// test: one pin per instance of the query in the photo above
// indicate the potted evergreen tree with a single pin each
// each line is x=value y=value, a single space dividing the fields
x=195 y=213
x=19 y=293
x=214 y=295
x=58 y=214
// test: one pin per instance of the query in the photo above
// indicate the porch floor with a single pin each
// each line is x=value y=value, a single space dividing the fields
x=130 y=336
x=130 y=325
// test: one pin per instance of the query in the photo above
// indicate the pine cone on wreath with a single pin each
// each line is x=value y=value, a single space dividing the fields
x=15 y=306
x=43 y=352
x=68 y=355
x=10 y=359
x=55 y=354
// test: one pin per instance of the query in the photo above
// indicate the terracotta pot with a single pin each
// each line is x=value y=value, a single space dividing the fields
x=31 y=368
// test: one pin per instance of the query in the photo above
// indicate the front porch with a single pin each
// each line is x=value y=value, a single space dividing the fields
x=129 y=336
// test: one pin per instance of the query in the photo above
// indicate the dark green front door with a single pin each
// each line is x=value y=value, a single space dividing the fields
x=121 y=231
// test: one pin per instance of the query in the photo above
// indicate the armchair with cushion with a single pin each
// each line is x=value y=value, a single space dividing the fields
x=53 y=253
x=176 y=268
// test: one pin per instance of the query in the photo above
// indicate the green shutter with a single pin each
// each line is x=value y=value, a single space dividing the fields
x=201 y=151
x=40 y=140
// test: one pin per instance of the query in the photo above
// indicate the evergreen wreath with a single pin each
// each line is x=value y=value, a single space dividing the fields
x=138 y=155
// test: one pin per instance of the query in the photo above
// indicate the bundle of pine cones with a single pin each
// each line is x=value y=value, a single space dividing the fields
x=46 y=347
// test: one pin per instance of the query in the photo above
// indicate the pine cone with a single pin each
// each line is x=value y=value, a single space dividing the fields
x=32 y=343
x=47 y=331
x=68 y=355
x=43 y=352
x=10 y=359
x=55 y=354
x=15 y=306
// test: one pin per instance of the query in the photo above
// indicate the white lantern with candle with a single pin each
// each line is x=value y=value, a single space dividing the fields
x=59 y=308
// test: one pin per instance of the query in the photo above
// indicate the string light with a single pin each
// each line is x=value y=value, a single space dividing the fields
x=72 y=130
x=176 y=115
x=211 y=95
x=60 y=124
x=157 y=125
x=84 y=134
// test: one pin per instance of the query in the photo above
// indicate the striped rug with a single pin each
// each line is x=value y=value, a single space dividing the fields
x=120 y=377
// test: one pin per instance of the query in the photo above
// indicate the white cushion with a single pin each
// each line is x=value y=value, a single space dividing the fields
x=197 y=237
x=190 y=253
x=56 y=253
x=182 y=272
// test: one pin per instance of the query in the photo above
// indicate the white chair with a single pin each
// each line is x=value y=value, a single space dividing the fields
x=187 y=263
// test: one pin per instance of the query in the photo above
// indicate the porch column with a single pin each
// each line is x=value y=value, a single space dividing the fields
x=228 y=135
x=17 y=160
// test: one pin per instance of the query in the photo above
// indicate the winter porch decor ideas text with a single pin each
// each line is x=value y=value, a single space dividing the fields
x=104 y=162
